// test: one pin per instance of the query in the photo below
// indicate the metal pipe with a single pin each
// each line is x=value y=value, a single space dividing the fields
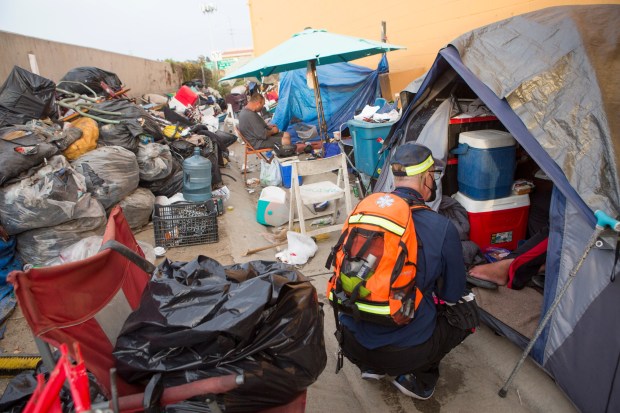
x=603 y=221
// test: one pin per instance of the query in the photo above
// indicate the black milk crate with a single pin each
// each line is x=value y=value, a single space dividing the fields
x=185 y=223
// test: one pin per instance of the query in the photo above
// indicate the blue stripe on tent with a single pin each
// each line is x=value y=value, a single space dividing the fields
x=554 y=254
x=515 y=126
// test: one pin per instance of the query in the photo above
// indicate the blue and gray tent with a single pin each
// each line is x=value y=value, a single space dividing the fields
x=552 y=78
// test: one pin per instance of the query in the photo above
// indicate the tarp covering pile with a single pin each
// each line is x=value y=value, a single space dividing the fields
x=200 y=319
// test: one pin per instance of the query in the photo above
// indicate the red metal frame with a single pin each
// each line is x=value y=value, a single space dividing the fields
x=45 y=398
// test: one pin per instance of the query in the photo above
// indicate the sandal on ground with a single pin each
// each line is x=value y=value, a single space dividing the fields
x=479 y=282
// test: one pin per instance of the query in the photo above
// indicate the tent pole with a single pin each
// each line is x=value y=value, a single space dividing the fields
x=319 y=106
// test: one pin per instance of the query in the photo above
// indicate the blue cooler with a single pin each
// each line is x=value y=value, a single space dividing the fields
x=365 y=145
x=286 y=170
x=486 y=164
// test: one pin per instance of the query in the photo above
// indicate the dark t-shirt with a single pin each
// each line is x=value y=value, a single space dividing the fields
x=252 y=126
x=439 y=256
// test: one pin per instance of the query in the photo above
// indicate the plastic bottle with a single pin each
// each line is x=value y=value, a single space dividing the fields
x=367 y=267
x=196 y=178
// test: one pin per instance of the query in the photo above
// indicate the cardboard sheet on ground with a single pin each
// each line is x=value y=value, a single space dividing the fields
x=519 y=309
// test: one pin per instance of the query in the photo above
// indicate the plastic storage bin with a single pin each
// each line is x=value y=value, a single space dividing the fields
x=486 y=163
x=185 y=224
x=366 y=146
x=498 y=222
x=286 y=170
x=272 y=208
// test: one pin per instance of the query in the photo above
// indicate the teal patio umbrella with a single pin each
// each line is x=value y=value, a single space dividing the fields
x=309 y=49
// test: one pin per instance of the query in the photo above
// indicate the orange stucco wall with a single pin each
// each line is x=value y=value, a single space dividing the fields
x=423 y=27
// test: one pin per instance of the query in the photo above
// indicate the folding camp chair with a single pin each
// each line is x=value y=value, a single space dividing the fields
x=249 y=150
x=88 y=301
x=317 y=192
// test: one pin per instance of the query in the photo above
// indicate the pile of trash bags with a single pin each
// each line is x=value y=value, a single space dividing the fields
x=68 y=154
x=200 y=319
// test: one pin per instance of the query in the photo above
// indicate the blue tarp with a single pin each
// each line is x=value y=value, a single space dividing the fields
x=8 y=259
x=345 y=87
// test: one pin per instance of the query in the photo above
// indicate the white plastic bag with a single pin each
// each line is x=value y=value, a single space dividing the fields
x=270 y=173
x=300 y=249
x=89 y=246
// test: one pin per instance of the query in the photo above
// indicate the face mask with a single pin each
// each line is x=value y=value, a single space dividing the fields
x=433 y=191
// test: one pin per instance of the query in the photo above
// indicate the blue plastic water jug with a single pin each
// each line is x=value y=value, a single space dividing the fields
x=196 y=178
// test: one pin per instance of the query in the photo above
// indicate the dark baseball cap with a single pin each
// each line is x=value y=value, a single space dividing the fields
x=416 y=158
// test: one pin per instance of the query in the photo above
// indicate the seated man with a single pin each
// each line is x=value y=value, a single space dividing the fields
x=260 y=134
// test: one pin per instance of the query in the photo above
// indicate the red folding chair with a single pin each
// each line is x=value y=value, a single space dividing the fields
x=88 y=301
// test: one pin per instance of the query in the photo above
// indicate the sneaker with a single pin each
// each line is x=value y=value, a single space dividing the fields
x=408 y=384
x=372 y=375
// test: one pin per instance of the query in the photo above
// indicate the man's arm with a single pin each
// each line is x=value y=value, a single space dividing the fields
x=453 y=266
x=272 y=129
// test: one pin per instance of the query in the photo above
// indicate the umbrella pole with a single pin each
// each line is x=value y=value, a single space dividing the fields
x=319 y=106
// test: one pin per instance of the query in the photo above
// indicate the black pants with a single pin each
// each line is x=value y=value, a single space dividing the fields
x=421 y=360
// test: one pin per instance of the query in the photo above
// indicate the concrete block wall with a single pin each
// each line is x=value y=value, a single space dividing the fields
x=54 y=59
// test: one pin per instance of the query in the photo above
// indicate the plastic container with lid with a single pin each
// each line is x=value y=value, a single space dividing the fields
x=486 y=163
x=272 y=208
x=500 y=222
x=367 y=141
x=196 y=178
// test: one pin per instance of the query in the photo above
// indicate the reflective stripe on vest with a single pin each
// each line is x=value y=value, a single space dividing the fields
x=368 y=308
x=378 y=221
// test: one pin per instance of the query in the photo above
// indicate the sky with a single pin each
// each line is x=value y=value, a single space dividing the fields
x=152 y=29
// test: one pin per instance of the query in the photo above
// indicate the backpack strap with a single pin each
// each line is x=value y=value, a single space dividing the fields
x=334 y=250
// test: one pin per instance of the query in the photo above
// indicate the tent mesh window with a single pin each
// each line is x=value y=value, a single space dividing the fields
x=185 y=224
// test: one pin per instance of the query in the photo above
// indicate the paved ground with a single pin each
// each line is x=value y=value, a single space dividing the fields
x=471 y=375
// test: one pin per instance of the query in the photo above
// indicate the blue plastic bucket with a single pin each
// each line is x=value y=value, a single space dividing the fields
x=286 y=170
x=366 y=144
x=331 y=149
x=486 y=164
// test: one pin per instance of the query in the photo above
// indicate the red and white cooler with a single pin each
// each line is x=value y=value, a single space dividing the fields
x=500 y=222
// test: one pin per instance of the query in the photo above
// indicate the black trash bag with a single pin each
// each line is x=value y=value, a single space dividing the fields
x=185 y=149
x=200 y=319
x=168 y=186
x=121 y=135
x=25 y=96
x=20 y=151
x=136 y=119
x=91 y=77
